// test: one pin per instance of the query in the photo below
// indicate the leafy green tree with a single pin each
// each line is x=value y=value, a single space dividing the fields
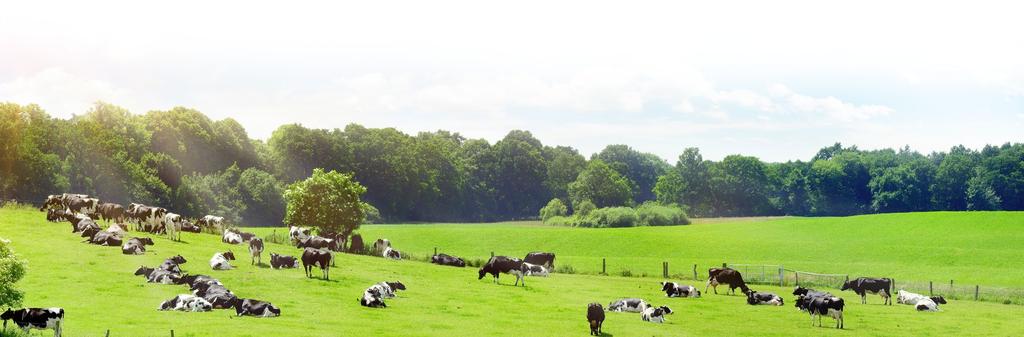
x=903 y=188
x=601 y=185
x=980 y=194
x=949 y=187
x=263 y=197
x=554 y=208
x=564 y=165
x=583 y=208
x=687 y=183
x=328 y=201
x=640 y=169
x=520 y=174
x=1004 y=173
x=12 y=269
x=740 y=186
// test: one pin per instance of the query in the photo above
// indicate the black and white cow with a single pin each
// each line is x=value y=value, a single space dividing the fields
x=210 y=221
x=35 y=318
x=187 y=226
x=218 y=295
x=380 y=245
x=82 y=205
x=150 y=219
x=504 y=265
x=105 y=238
x=655 y=315
x=56 y=215
x=297 y=233
x=388 y=289
x=392 y=253
x=52 y=202
x=801 y=291
x=825 y=306
x=186 y=302
x=727 y=276
x=864 y=285
x=372 y=298
x=172 y=225
x=535 y=270
x=628 y=305
x=920 y=302
x=219 y=261
x=541 y=258
x=256 y=251
x=283 y=261
x=755 y=298
x=136 y=246
x=111 y=212
x=231 y=237
x=154 y=275
x=595 y=317
x=317 y=242
x=193 y=280
x=251 y=307
x=673 y=289
x=447 y=260
x=312 y=257
x=173 y=263
x=117 y=229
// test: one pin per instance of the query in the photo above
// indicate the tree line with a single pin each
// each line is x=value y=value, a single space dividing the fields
x=184 y=160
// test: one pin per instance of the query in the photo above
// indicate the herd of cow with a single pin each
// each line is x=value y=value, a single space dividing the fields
x=208 y=293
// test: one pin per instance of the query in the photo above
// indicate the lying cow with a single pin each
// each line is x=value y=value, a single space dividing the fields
x=35 y=318
x=595 y=317
x=535 y=270
x=628 y=305
x=447 y=260
x=186 y=302
x=136 y=246
x=380 y=245
x=219 y=261
x=655 y=315
x=865 y=285
x=388 y=289
x=920 y=302
x=727 y=276
x=251 y=307
x=312 y=257
x=193 y=280
x=283 y=261
x=154 y=275
x=105 y=238
x=218 y=295
x=231 y=237
x=392 y=253
x=256 y=251
x=541 y=258
x=173 y=263
x=673 y=289
x=372 y=298
x=755 y=298
x=187 y=226
x=504 y=265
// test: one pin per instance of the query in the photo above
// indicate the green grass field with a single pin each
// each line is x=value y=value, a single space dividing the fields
x=96 y=287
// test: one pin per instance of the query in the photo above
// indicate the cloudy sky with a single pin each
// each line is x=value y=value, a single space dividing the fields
x=777 y=80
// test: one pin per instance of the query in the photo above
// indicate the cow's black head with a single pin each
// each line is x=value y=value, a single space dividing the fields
x=799 y=291
x=665 y=310
x=847 y=285
x=666 y=286
x=397 y=285
x=147 y=241
x=482 y=273
x=938 y=299
x=178 y=259
x=229 y=255
x=143 y=270
x=6 y=316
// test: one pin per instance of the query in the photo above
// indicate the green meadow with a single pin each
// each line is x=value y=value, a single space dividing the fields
x=96 y=287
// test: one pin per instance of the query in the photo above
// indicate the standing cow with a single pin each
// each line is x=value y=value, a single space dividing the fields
x=256 y=251
x=35 y=318
x=504 y=265
x=864 y=285
x=728 y=276
x=595 y=316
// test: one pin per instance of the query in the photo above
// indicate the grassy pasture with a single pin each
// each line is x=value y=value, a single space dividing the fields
x=95 y=286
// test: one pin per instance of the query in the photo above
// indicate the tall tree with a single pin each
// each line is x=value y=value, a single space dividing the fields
x=641 y=169
x=327 y=201
x=949 y=187
x=600 y=184
x=520 y=175
x=740 y=186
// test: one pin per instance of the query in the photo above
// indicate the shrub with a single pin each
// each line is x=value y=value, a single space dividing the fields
x=584 y=208
x=615 y=217
x=554 y=208
x=559 y=221
x=372 y=214
x=653 y=214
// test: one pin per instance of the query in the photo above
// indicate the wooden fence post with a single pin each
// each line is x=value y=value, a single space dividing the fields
x=930 y=292
x=435 y=250
x=796 y=275
x=724 y=264
x=782 y=275
x=694 y=271
x=664 y=269
x=604 y=266
x=492 y=254
x=172 y=333
x=950 y=286
x=108 y=333
x=976 y=292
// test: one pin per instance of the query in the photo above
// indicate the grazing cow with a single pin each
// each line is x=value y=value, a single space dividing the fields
x=210 y=221
x=864 y=285
x=595 y=316
x=504 y=264
x=297 y=233
x=825 y=306
x=628 y=305
x=728 y=276
x=655 y=315
x=388 y=289
x=186 y=302
x=219 y=296
x=392 y=253
x=312 y=257
x=755 y=298
x=105 y=238
x=541 y=258
x=380 y=245
x=52 y=202
x=110 y=211
x=357 y=246
x=251 y=307
x=447 y=260
x=372 y=298
x=535 y=270
x=172 y=264
x=219 y=261
x=171 y=225
x=920 y=302
x=318 y=242
x=159 y=275
x=256 y=251
x=35 y=318
x=231 y=237
x=673 y=289
x=136 y=246
x=283 y=261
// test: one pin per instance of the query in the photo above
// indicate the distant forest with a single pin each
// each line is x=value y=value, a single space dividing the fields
x=193 y=165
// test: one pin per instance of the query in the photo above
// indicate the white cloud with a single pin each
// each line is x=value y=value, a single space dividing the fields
x=827 y=106
x=61 y=92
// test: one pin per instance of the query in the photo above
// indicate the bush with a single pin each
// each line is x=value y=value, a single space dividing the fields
x=584 y=208
x=372 y=214
x=559 y=221
x=615 y=217
x=554 y=208
x=653 y=214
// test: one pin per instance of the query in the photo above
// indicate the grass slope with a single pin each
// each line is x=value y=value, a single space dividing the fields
x=95 y=286
x=968 y=247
